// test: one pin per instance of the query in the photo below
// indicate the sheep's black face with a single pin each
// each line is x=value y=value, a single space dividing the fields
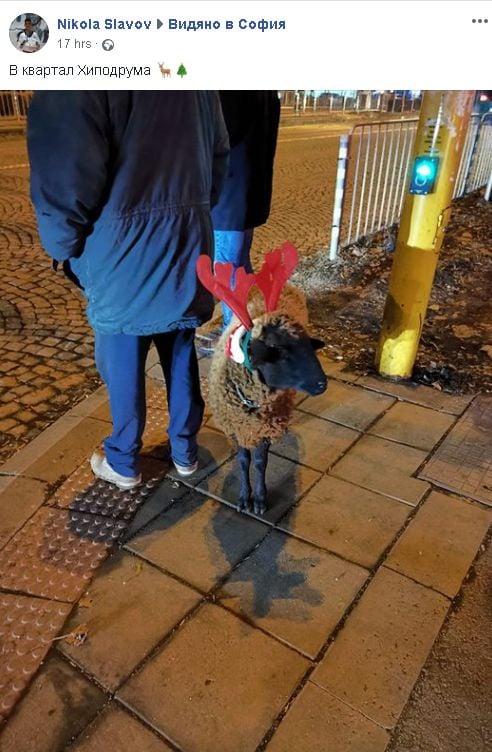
x=287 y=361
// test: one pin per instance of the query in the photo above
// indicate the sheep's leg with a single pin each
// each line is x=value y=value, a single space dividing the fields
x=244 y=459
x=260 y=462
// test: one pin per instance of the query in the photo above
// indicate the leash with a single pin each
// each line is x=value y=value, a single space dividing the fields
x=244 y=400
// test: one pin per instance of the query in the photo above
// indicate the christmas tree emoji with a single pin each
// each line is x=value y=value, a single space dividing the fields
x=182 y=71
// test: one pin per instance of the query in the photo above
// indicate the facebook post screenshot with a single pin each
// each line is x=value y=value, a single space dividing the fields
x=245 y=376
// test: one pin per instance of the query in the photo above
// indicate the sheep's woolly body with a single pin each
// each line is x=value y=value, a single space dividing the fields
x=234 y=390
x=231 y=385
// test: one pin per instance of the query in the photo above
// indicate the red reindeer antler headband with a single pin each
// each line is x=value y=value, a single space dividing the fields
x=274 y=273
x=219 y=283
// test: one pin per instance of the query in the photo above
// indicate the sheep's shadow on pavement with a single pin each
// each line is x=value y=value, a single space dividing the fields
x=242 y=554
x=274 y=582
x=235 y=547
x=270 y=575
x=239 y=548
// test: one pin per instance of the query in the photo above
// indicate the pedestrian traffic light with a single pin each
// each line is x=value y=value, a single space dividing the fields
x=424 y=174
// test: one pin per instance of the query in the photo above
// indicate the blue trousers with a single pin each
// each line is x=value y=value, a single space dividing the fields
x=120 y=359
x=232 y=245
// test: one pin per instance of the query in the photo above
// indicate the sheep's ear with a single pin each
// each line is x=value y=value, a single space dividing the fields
x=261 y=353
x=316 y=344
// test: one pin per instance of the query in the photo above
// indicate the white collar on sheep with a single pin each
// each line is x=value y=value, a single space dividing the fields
x=237 y=346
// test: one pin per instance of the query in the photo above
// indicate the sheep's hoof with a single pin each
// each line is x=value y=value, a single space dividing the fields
x=259 y=506
x=244 y=505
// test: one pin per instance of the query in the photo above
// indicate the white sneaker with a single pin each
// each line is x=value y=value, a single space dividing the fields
x=102 y=469
x=186 y=470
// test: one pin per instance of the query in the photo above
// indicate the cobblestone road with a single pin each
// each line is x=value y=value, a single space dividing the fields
x=46 y=362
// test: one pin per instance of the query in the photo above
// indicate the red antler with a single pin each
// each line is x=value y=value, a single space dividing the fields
x=219 y=283
x=276 y=270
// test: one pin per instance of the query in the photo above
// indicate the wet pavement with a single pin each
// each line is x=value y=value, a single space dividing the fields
x=161 y=618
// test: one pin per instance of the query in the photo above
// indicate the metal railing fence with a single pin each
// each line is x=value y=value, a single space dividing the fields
x=14 y=105
x=303 y=100
x=376 y=174
x=481 y=162
x=467 y=156
x=373 y=173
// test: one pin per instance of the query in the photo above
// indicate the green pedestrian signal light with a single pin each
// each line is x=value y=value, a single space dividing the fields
x=424 y=174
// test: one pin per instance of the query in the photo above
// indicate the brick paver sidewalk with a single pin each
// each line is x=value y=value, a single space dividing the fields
x=206 y=629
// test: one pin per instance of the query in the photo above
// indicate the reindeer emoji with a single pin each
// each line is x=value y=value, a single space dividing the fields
x=166 y=72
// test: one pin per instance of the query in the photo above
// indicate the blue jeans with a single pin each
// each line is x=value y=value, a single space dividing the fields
x=232 y=245
x=120 y=359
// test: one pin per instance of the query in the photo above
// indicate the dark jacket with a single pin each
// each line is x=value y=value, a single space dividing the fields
x=122 y=184
x=252 y=119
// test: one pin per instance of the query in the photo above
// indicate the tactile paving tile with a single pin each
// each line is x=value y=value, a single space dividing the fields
x=155 y=429
x=84 y=493
x=157 y=419
x=463 y=462
x=157 y=399
x=56 y=553
x=27 y=629
x=158 y=414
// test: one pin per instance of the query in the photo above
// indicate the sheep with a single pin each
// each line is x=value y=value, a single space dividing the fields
x=260 y=363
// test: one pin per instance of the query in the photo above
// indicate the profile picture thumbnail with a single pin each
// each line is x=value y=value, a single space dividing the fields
x=29 y=32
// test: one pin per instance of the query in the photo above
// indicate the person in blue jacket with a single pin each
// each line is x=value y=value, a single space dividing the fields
x=122 y=184
x=252 y=120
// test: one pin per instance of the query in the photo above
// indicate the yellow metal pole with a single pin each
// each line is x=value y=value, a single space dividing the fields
x=441 y=132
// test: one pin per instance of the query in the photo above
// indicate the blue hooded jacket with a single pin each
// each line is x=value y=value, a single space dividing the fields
x=122 y=184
